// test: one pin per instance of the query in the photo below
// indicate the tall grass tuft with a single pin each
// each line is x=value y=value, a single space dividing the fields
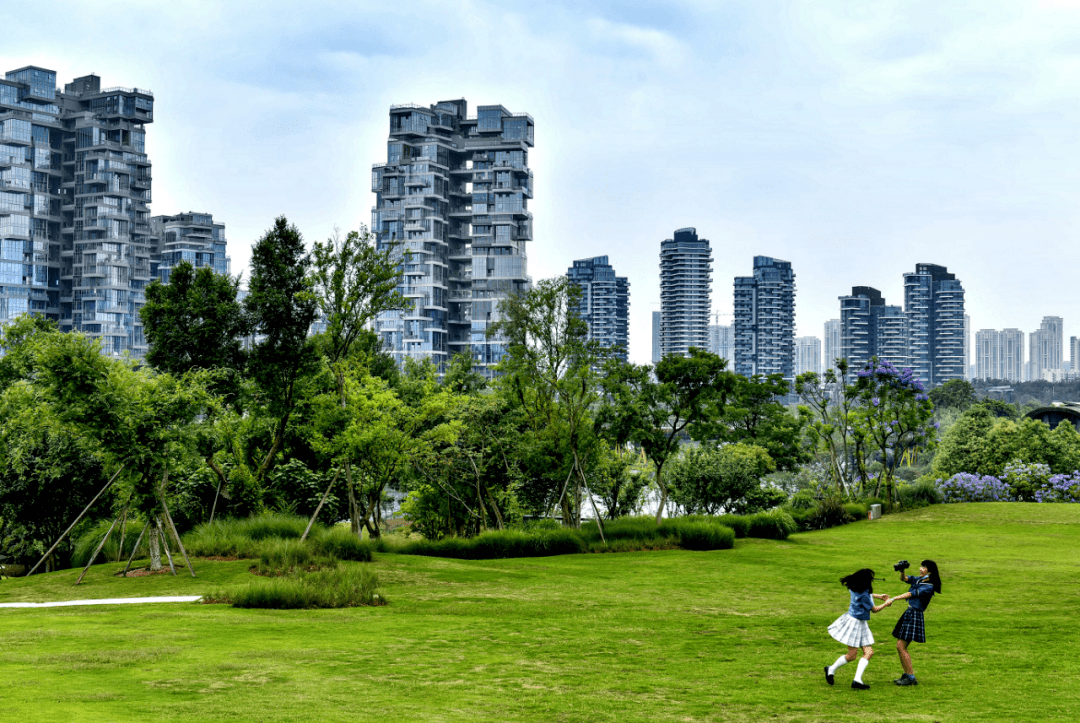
x=772 y=525
x=340 y=587
x=340 y=542
x=500 y=544
x=244 y=537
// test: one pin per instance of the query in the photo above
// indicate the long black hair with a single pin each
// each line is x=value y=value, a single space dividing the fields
x=860 y=581
x=931 y=569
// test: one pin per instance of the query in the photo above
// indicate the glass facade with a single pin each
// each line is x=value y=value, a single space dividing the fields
x=453 y=195
x=191 y=237
x=74 y=189
x=605 y=303
x=934 y=306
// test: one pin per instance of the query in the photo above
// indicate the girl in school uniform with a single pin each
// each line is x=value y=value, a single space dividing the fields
x=911 y=626
x=852 y=629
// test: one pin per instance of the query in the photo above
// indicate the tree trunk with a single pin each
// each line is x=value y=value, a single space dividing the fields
x=354 y=523
x=165 y=544
x=315 y=514
x=663 y=495
x=155 y=552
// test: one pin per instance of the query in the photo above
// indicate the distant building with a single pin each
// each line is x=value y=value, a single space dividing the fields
x=1045 y=346
x=967 y=346
x=832 y=344
x=657 y=346
x=999 y=355
x=765 y=319
x=605 y=302
x=807 y=355
x=934 y=306
x=191 y=237
x=722 y=342
x=871 y=328
x=685 y=285
x=1074 y=356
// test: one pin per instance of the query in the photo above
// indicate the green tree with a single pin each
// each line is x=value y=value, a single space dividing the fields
x=549 y=372
x=194 y=321
x=894 y=416
x=963 y=446
x=953 y=394
x=721 y=479
x=830 y=404
x=282 y=308
x=655 y=413
x=751 y=413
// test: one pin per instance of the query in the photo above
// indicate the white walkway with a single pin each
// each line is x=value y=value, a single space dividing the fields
x=107 y=601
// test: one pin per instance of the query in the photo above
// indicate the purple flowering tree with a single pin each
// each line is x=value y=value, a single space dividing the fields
x=893 y=414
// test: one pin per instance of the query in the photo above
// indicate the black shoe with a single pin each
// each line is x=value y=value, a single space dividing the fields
x=828 y=676
x=906 y=679
x=859 y=686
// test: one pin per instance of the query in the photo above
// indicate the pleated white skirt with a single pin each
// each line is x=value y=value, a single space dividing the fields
x=851 y=632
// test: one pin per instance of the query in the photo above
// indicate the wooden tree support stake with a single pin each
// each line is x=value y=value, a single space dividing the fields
x=172 y=526
x=315 y=514
x=98 y=549
x=81 y=514
x=123 y=529
x=135 y=549
x=165 y=544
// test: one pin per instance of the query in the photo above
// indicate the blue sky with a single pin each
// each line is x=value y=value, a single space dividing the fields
x=853 y=139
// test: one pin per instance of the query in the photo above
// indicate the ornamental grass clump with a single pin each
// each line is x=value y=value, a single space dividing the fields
x=339 y=587
x=284 y=557
x=500 y=544
x=690 y=535
x=339 y=542
x=772 y=525
x=967 y=487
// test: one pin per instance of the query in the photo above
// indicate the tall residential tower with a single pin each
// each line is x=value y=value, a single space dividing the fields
x=605 y=302
x=765 y=319
x=934 y=306
x=453 y=194
x=685 y=283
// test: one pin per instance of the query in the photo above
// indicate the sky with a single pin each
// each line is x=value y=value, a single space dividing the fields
x=853 y=139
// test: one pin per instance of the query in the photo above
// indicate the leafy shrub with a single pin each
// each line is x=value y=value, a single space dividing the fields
x=920 y=494
x=1025 y=479
x=1060 y=488
x=89 y=540
x=801 y=518
x=828 y=512
x=339 y=542
x=772 y=525
x=340 y=587
x=966 y=487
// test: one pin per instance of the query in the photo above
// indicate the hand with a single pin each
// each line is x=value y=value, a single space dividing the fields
x=888 y=603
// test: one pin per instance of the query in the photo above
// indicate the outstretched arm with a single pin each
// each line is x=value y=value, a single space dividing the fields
x=882 y=606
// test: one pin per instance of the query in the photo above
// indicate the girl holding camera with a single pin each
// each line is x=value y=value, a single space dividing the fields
x=852 y=629
x=911 y=626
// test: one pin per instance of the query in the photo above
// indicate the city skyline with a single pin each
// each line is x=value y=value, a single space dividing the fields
x=839 y=133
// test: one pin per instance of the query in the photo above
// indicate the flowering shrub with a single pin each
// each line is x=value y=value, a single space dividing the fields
x=967 y=487
x=1025 y=479
x=1060 y=488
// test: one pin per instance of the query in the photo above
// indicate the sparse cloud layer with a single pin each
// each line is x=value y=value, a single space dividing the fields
x=854 y=139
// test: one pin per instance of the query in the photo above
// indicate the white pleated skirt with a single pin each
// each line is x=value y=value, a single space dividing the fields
x=851 y=632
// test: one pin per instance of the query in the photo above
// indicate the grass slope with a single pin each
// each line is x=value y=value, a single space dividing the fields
x=734 y=635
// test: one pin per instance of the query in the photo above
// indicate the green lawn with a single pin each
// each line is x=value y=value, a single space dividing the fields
x=733 y=635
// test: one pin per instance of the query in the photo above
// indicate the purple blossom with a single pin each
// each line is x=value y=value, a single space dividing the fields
x=967 y=487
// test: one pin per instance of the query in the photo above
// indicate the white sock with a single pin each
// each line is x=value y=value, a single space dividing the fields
x=840 y=662
x=863 y=662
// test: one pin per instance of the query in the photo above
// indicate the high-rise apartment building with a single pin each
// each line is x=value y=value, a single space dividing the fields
x=832 y=343
x=999 y=355
x=75 y=242
x=871 y=328
x=765 y=319
x=1074 y=357
x=807 y=355
x=191 y=237
x=934 y=306
x=685 y=284
x=657 y=344
x=454 y=193
x=605 y=302
x=1046 y=349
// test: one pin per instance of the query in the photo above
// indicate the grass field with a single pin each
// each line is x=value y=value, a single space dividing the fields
x=732 y=635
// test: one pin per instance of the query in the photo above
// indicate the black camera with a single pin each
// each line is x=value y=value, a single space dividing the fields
x=901 y=566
